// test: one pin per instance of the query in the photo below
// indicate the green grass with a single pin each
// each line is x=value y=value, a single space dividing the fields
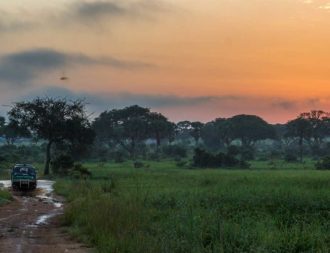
x=5 y=197
x=166 y=209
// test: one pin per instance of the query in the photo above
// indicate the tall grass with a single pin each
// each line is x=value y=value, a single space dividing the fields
x=171 y=210
x=5 y=197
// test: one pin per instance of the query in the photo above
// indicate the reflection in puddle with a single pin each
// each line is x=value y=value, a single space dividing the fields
x=5 y=184
x=43 y=193
x=42 y=220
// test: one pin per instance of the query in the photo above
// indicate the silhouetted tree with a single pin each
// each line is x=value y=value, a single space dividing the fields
x=320 y=127
x=300 y=129
x=160 y=127
x=53 y=120
x=131 y=125
x=249 y=129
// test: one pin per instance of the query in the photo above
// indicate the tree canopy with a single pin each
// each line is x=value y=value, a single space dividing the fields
x=53 y=120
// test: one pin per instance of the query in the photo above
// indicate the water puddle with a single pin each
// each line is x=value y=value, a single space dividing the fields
x=42 y=220
x=5 y=184
x=43 y=194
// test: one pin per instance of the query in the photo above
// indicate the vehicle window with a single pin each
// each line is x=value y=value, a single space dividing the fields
x=24 y=170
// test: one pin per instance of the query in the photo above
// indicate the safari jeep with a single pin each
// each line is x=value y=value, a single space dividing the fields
x=23 y=177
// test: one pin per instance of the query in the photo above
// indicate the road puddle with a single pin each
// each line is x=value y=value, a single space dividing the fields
x=43 y=194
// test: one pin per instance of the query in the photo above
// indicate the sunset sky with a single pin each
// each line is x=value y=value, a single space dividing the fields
x=189 y=59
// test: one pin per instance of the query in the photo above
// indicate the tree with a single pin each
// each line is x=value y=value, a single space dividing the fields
x=195 y=132
x=217 y=133
x=319 y=124
x=249 y=129
x=126 y=127
x=160 y=127
x=53 y=120
x=186 y=129
x=299 y=128
x=183 y=129
x=11 y=132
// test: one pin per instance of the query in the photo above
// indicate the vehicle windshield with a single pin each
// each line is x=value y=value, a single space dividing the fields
x=24 y=170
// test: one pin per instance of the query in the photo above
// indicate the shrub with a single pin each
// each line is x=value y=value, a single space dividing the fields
x=62 y=164
x=119 y=156
x=247 y=153
x=289 y=157
x=233 y=150
x=80 y=171
x=205 y=159
x=138 y=164
x=175 y=151
x=323 y=164
x=181 y=163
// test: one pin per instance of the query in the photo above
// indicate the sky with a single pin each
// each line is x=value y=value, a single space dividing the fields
x=188 y=59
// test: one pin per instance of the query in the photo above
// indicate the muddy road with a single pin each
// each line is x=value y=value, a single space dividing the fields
x=30 y=223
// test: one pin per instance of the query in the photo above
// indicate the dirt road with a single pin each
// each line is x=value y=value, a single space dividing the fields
x=30 y=224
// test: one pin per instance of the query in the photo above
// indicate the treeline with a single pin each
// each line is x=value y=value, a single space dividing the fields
x=135 y=132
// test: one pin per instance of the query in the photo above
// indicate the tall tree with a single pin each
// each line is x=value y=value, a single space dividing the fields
x=196 y=128
x=217 y=133
x=53 y=120
x=126 y=127
x=300 y=129
x=160 y=127
x=249 y=129
x=319 y=123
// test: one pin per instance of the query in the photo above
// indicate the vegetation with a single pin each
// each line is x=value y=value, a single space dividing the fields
x=234 y=184
x=5 y=196
x=168 y=209
x=55 y=121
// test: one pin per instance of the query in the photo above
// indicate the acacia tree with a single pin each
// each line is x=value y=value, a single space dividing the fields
x=126 y=127
x=160 y=127
x=319 y=126
x=130 y=126
x=53 y=120
x=300 y=129
x=217 y=133
x=196 y=128
x=249 y=129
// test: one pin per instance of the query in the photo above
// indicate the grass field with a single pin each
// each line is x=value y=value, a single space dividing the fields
x=167 y=209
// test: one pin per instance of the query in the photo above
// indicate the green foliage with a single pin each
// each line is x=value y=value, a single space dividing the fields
x=5 y=196
x=79 y=171
x=173 y=210
x=62 y=164
x=11 y=154
x=204 y=159
x=323 y=164
x=174 y=151
x=56 y=121
x=130 y=126
x=289 y=157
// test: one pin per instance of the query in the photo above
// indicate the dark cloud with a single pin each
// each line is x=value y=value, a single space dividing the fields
x=24 y=66
x=284 y=104
x=112 y=100
x=106 y=101
x=109 y=9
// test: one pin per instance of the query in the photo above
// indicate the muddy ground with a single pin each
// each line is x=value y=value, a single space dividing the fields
x=30 y=223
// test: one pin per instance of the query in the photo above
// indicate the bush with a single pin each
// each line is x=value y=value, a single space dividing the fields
x=233 y=150
x=323 y=164
x=181 y=163
x=80 y=171
x=139 y=165
x=119 y=156
x=62 y=164
x=175 y=151
x=247 y=153
x=204 y=159
x=290 y=158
